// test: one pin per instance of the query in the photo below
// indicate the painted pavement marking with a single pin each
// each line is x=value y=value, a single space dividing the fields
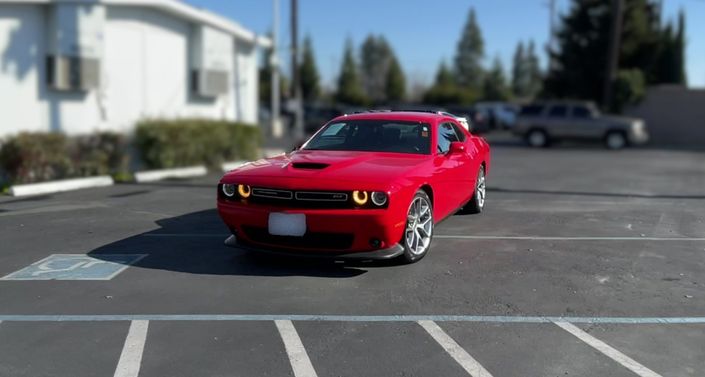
x=350 y=318
x=300 y=363
x=462 y=237
x=474 y=368
x=131 y=356
x=76 y=267
x=608 y=351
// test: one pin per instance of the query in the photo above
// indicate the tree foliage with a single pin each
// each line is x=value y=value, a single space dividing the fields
x=445 y=90
x=395 y=82
x=308 y=72
x=379 y=65
x=469 y=54
x=495 y=85
x=349 y=87
x=580 y=60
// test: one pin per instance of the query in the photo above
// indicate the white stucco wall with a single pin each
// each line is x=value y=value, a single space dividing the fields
x=145 y=74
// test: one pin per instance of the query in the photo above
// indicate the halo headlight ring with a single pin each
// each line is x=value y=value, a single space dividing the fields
x=360 y=197
x=228 y=189
x=379 y=198
x=244 y=190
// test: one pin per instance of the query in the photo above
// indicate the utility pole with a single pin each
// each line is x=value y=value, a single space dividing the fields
x=277 y=130
x=296 y=79
x=613 y=53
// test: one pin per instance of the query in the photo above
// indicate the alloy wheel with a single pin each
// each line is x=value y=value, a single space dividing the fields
x=419 y=226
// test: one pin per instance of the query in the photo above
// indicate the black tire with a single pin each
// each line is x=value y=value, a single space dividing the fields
x=477 y=203
x=410 y=254
x=615 y=140
x=537 y=138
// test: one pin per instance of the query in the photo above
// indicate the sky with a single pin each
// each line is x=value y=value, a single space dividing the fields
x=423 y=33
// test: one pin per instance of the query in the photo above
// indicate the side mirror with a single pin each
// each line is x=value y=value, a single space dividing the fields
x=457 y=147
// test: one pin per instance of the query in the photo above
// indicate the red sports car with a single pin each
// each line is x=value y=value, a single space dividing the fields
x=369 y=185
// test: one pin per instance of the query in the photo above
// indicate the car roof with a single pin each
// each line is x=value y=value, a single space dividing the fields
x=413 y=116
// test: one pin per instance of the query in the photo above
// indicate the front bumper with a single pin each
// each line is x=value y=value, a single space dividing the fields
x=381 y=254
x=337 y=233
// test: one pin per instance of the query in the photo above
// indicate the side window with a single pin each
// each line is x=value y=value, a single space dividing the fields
x=558 y=111
x=581 y=112
x=458 y=132
x=446 y=135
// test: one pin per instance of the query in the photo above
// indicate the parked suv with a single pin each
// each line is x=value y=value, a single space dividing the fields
x=542 y=123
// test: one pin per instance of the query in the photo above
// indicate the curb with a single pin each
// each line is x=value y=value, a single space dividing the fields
x=158 y=175
x=61 y=185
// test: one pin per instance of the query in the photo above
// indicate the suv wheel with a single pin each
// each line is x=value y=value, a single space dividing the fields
x=537 y=138
x=615 y=140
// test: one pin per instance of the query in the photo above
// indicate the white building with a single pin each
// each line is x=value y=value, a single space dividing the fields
x=78 y=66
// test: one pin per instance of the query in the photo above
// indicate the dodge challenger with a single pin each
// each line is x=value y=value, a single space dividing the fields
x=369 y=185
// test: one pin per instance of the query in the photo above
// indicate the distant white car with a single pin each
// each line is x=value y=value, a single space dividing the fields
x=462 y=120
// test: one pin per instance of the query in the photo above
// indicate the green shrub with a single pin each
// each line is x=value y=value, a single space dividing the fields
x=99 y=154
x=177 y=143
x=39 y=157
x=35 y=157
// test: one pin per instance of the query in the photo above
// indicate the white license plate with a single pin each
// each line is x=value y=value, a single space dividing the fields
x=287 y=224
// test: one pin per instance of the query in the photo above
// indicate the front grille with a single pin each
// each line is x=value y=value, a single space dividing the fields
x=272 y=193
x=311 y=240
x=322 y=196
x=301 y=199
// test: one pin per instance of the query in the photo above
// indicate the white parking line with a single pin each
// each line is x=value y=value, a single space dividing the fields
x=131 y=357
x=541 y=238
x=300 y=363
x=462 y=237
x=606 y=349
x=454 y=350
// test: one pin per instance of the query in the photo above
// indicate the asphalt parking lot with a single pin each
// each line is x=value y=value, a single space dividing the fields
x=585 y=263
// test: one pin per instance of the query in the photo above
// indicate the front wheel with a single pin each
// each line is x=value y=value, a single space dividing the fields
x=418 y=232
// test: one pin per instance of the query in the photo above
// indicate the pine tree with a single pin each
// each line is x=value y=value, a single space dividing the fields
x=469 y=55
x=535 y=77
x=375 y=55
x=679 y=59
x=349 y=88
x=580 y=59
x=520 y=73
x=395 y=82
x=495 y=84
x=445 y=90
x=308 y=72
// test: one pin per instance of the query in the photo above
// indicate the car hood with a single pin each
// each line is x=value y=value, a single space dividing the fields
x=317 y=166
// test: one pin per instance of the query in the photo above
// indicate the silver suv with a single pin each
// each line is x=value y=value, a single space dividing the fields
x=542 y=123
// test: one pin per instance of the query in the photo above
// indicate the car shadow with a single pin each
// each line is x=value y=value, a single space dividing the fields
x=193 y=243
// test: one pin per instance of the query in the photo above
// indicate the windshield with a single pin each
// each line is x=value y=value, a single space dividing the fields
x=373 y=136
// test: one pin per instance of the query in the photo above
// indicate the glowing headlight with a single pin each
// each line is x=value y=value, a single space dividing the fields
x=244 y=191
x=379 y=198
x=228 y=190
x=360 y=197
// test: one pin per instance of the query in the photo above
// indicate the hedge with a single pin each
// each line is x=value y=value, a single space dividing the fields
x=175 y=143
x=38 y=157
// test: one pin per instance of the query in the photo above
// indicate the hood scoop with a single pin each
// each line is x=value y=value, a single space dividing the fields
x=309 y=165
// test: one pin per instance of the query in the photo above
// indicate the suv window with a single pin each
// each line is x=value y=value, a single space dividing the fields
x=581 y=112
x=531 y=110
x=558 y=111
x=446 y=135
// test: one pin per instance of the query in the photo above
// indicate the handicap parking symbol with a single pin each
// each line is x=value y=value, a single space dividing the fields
x=76 y=267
